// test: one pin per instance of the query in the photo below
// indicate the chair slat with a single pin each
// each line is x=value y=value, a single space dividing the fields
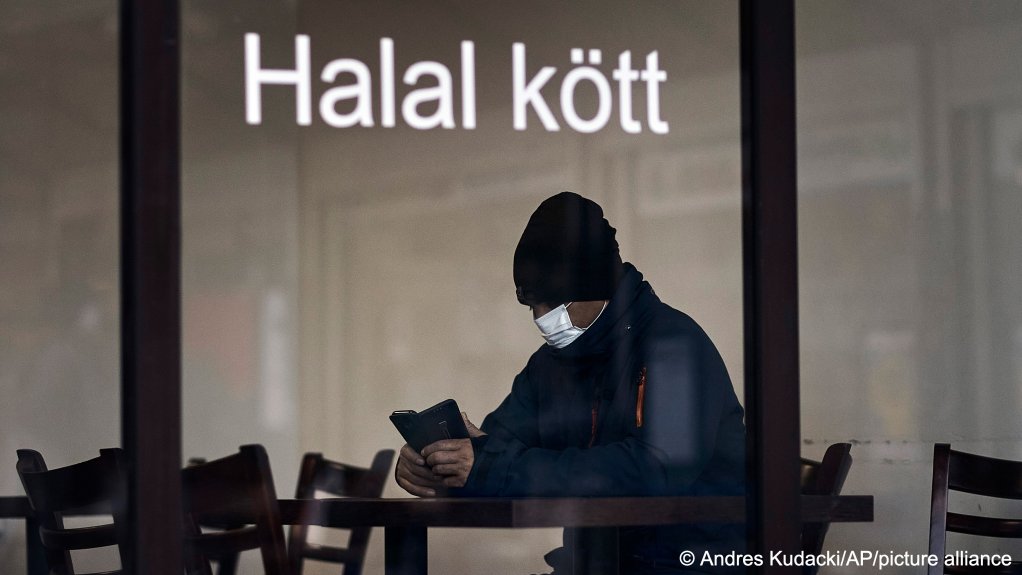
x=220 y=543
x=971 y=473
x=984 y=526
x=329 y=554
x=83 y=485
x=334 y=477
x=79 y=538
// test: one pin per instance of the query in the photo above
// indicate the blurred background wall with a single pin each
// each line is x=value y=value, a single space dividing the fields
x=333 y=275
x=910 y=197
x=59 y=320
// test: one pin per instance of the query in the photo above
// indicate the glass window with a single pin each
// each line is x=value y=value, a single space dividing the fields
x=59 y=290
x=348 y=250
x=909 y=179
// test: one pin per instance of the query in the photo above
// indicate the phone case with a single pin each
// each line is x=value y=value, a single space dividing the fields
x=442 y=421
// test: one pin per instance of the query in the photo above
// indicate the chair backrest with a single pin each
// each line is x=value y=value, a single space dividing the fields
x=94 y=487
x=976 y=474
x=236 y=490
x=825 y=477
x=319 y=474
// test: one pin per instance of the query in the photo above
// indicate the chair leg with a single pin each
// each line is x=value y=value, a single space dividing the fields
x=34 y=547
x=228 y=565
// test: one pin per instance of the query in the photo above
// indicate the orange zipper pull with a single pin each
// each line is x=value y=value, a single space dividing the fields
x=641 y=397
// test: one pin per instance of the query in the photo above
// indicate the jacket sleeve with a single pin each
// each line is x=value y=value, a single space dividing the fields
x=514 y=422
x=683 y=405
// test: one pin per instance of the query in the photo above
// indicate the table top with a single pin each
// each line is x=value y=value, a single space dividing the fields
x=533 y=512
x=14 y=507
x=554 y=512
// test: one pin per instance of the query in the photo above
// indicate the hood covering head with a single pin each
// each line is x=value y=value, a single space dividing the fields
x=567 y=253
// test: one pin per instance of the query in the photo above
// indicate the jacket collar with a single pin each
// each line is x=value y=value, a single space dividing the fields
x=628 y=309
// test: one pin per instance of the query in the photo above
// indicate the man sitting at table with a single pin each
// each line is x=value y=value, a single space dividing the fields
x=627 y=397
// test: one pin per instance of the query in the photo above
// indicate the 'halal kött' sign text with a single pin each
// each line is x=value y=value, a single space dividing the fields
x=369 y=102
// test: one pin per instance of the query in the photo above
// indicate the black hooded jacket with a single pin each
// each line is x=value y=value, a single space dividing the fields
x=639 y=404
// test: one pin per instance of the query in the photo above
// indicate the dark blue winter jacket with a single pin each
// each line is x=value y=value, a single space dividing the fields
x=639 y=404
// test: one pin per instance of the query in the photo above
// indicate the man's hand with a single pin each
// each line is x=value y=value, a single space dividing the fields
x=414 y=476
x=473 y=431
x=452 y=459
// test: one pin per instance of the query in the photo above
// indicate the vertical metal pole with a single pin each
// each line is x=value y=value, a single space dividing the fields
x=770 y=266
x=150 y=282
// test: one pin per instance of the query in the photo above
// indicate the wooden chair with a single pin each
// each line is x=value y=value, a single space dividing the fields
x=227 y=564
x=94 y=487
x=319 y=474
x=825 y=477
x=980 y=475
x=234 y=490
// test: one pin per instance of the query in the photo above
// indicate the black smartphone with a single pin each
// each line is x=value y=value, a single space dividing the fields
x=419 y=429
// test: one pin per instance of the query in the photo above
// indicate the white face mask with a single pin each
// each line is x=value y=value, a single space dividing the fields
x=556 y=326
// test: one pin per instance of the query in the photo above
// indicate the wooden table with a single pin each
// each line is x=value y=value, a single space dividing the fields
x=406 y=521
x=18 y=508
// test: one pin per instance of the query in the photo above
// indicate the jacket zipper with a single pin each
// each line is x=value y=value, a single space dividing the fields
x=640 y=398
x=639 y=404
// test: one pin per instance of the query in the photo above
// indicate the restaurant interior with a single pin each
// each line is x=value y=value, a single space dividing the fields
x=330 y=275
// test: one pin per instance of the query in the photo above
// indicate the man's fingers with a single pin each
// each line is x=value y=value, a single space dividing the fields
x=443 y=445
x=450 y=469
x=408 y=453
x=441 y=457
x=410 y=475
x=415 y=489
x=421 y=471
x=447 y=469
x=454 y=481
x=421 y=475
